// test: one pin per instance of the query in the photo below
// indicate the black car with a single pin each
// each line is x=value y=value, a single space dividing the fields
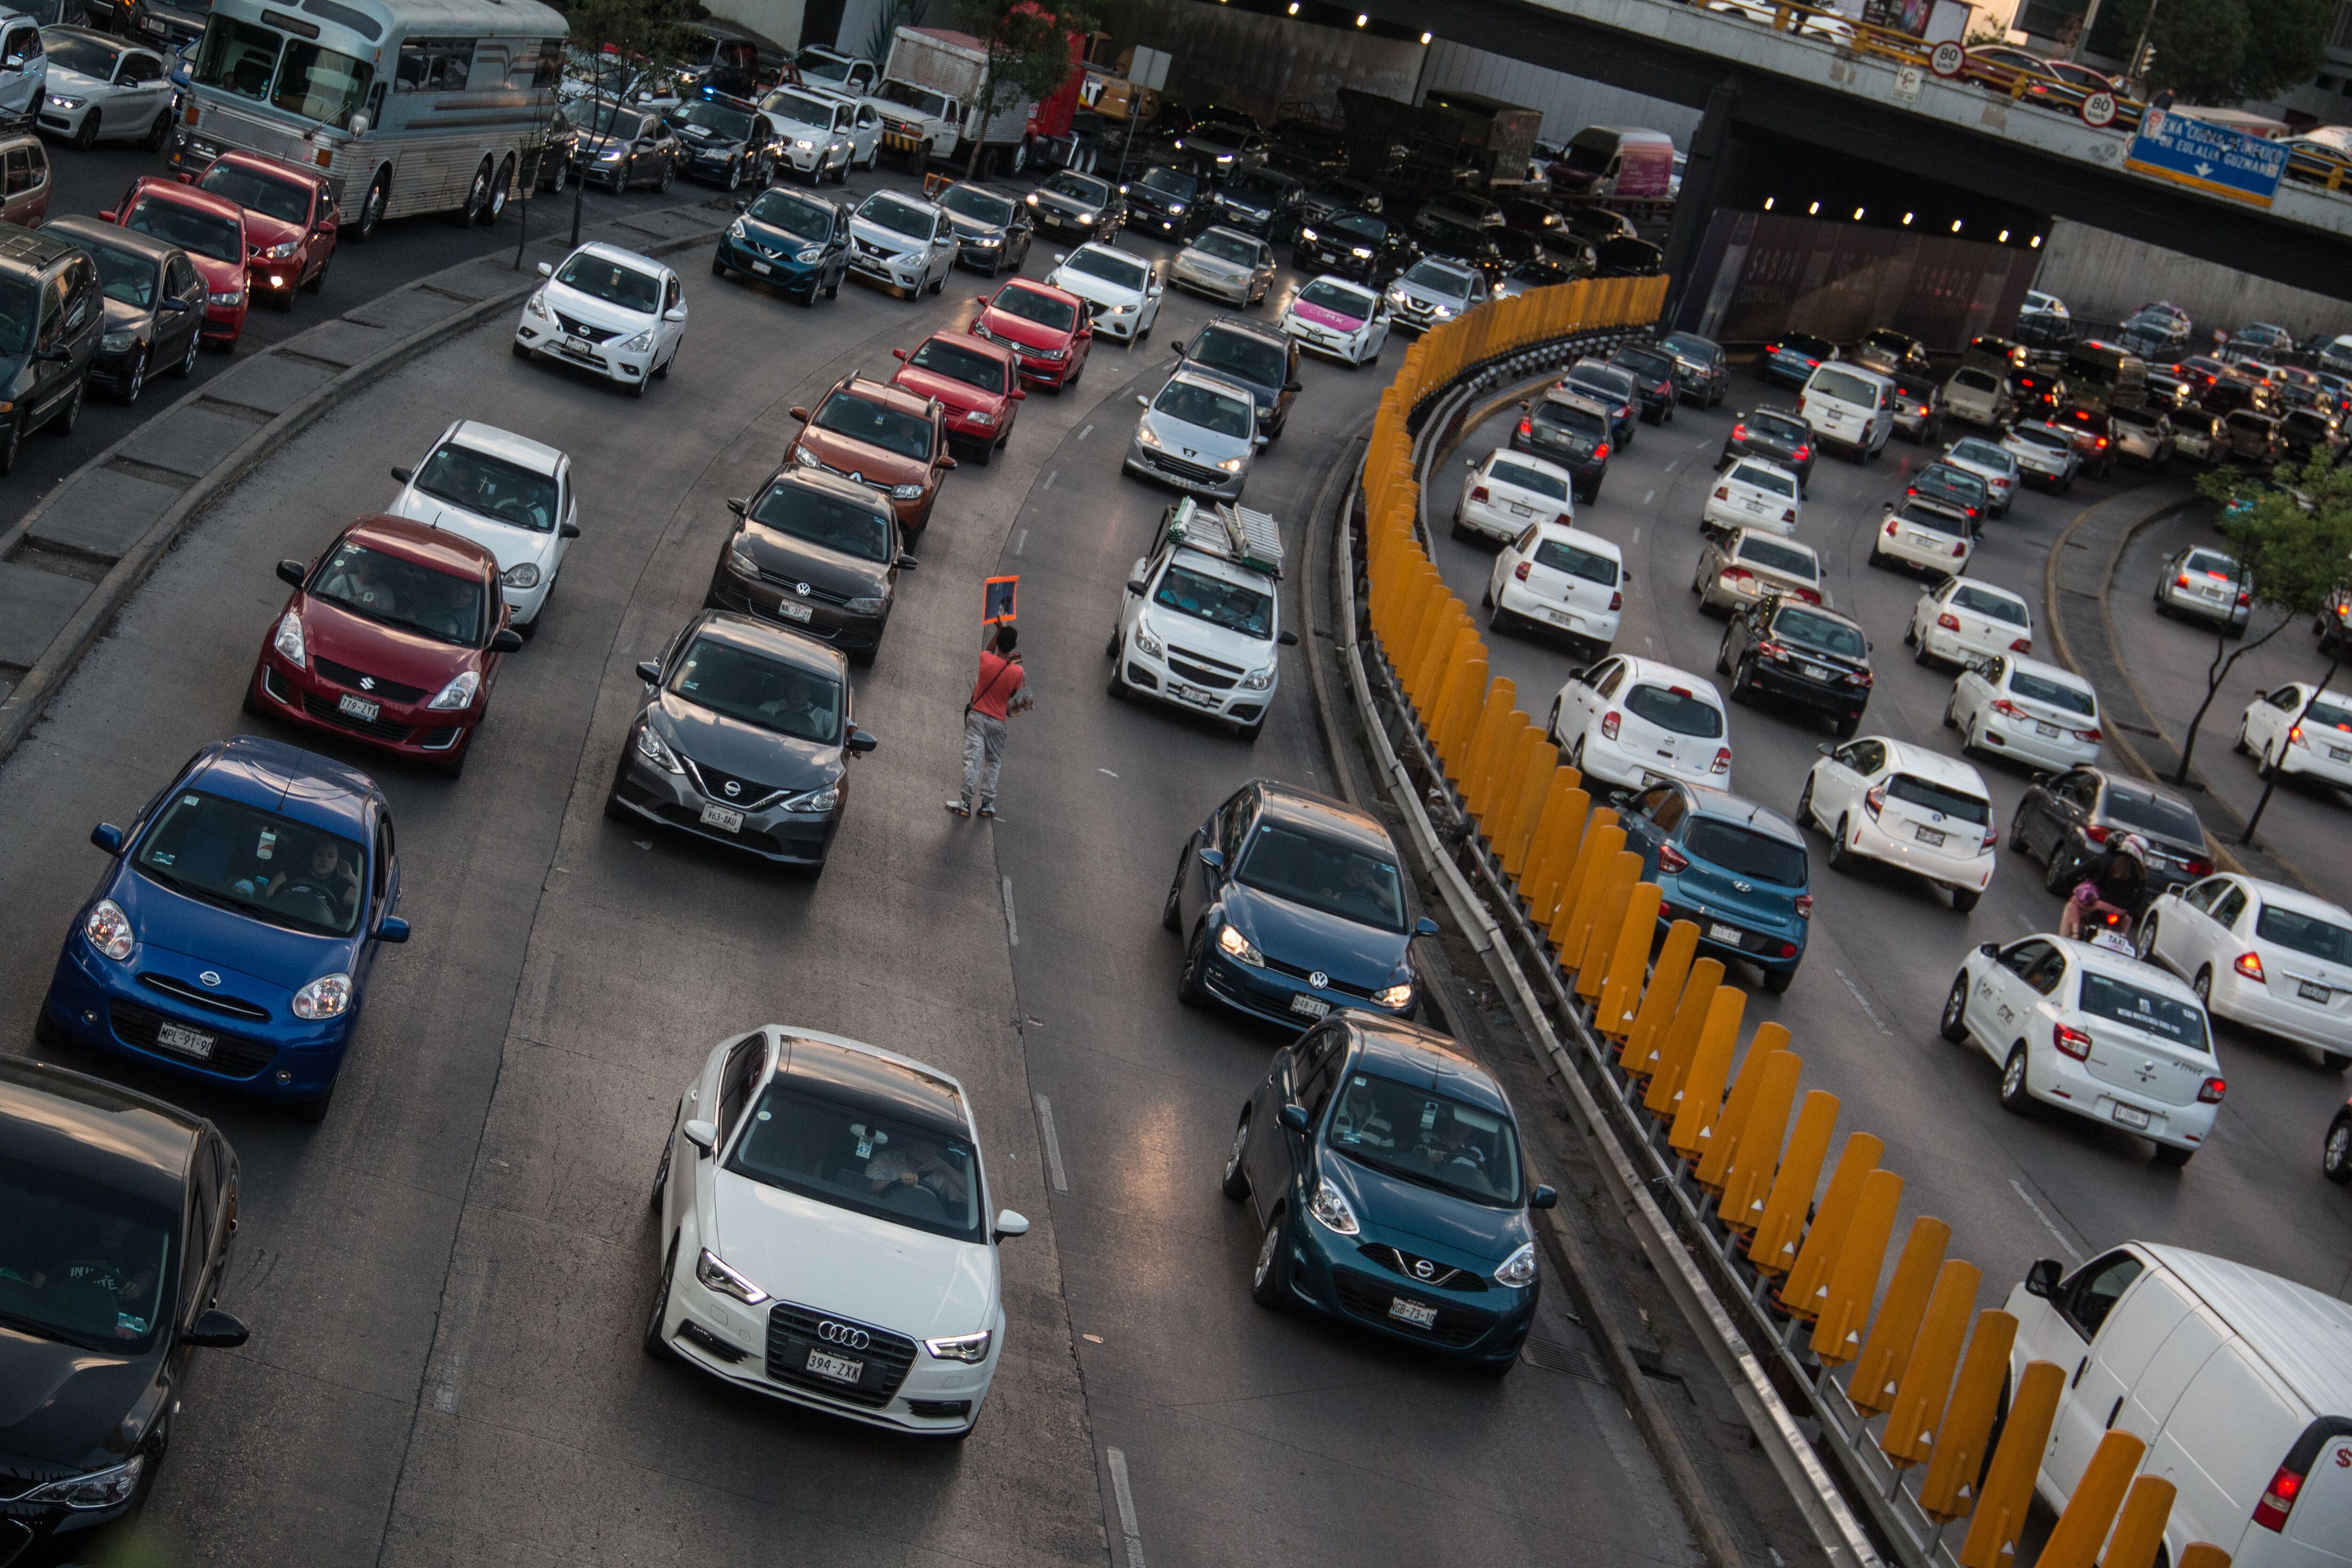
x=1955 y=488
x=723 y=61
x=1459 y=207
x=744 y=740
x=559 y=152
x=815 y=552
x=2067 y=820
x=993 y=230
x=1525 y=276
x=780 y=227
x=1360 y=245
x=1594 y=224
x=1471 y=245
x=1569 y=430
x=154 y=302
x=1605 y=386
x=121 y=1211
x=1776 y=434
x=1072 y=202
x=1530 y=217
x=45 y=351
x=723 y=141
x=622 y=147
x=1336 y=193
x=1263 y=201
x=1261 y=358
x=2307 y=432
x=1628 y=257
x=1702 y=371
x=167 y=25
x=1169 y=202
x=1654 y=379
x=1800 y=653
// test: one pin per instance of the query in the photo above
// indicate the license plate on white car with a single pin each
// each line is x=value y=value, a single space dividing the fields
x=2047 y=732
x=1561 y=617
x=186 y=1041
x=839 y=1368
x=1930 y=837
x=1717 y=931
x=1193 y=694
x=2310 y=993
x=1420 y=1314
x=358 y=707
x=2131 y=1116
x=793 y=610
x=1309 y=1006
x=2337 y=753
x=725 y=818
x=1518 y=511
x=578 y=346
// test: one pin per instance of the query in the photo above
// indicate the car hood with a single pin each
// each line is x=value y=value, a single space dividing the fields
x=512 y=544
x=60 y=1403
x=796 y=560
x=120 y=317
x=885 y=239
x=1325 y=316
x=220 y=277
x=1456 y=1229
x=411 y=658
x=1428 y=299
x=815 y=1255
x=1201 y=261
x=1192 y=442
x=1351 y=953
x=782 y=241
x=187 y=938
x=584 y=307
x=747 y=751
x=973 y=227
x=1251 y=208
x=960 y=395
x=1063 y=203
x=871 y=464
x=1094 y=291
x=262 y=231
x=701 y=138
x=1155 y=201
x=1262 y=394
x=1005 y=325
x=1201 y=636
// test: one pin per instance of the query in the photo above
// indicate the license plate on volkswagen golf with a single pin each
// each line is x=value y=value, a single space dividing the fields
x=839 y=1368
x=1309 y=1006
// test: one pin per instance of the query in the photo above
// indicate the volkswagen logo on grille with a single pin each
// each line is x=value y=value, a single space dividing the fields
x=367 y=683
x=844 y=1334
x=731 y=788
x=210 y=977
x=1319 y=980
x=802 y=589
x=1422 y=1269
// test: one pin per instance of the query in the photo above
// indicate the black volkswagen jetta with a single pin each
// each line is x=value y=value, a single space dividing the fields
x=116 y=1216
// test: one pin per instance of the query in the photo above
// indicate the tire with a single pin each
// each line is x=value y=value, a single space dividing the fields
x=2055 y=874
x=63 y=421
x=1778 y=981
x=1189 y=989
x=1805 y=805
x=1172 y=917
x=501 y=183
x=159 y=135
x=11 y=441
x=2203 y=986
x=1965 y=899
x=137 y=383
x=50 y=1035
x=1267 y=1270
x=2335 y=1061
x=316 y=281
x=1847 y=725
x=1743 y=683
x=735 y=174
x=1250 y=732
x=1950 y=723
x=2173 y=1158
x=661 y=1178
x=1723 y=655
x=668 y=176
x=1911 y=634
x=478 y=197
x=85 y=135
x=187 y=365
x=371 y=210
x=2017 y=836
x=556 y=183
x=521 y=349
x=1842 y=859
x=1953 y=1025
x=656 y=1343
x=2335 y=1154
x=1921 y=656
x=2016 y=1094
x=1235 y=1185
x=2239 y=745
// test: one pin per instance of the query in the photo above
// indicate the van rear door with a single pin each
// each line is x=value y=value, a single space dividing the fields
x=2318 y=1532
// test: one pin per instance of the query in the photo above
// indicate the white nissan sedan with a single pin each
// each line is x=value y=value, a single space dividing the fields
x=2300 y=735
x=826 y=1233
x=609 y=310
x=508 y=494
x=2259 y=954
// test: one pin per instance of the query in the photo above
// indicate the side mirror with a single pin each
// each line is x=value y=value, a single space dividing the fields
x=215 y=1329
x=506 y=640
x=1294 y=1116
x=1826 y=750
x=650 y=672
x=1262 y=442
x=106 y=214
x=1286 y=639
x=1989 y=949
x=1176 y=346
x=676 y=313
x=547 y=269
x=1293 y=386
x=946 y=462
x=1059 y=257
x=905 y=562
x=404 y=475
x=567 y=531
x=392 y=927
x=1019 y=396
x=859 y=742
x=107 y=836
x=976 y=299
x=2041 y=1279
x=702 y=1134
x=171 y=305
x=1215 y=860
x=1137 y=586
x=1141 y=401
x=897 y=354
x=801 y=414
x=743 y=206
x=738 y=505
x=292 y=572
x=1542 y=1198
x=1010 y=1224
x=360 y=123
x=1424 y=926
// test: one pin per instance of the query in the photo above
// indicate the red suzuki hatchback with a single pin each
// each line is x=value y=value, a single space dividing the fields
x=1044 y=327
x=211 y=230
x=978 y=381
x=289 y=222
x=394 y=634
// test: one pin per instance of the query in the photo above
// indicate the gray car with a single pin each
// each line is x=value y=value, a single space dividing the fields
x=2143 y=435
x=1198 y=433
x=1701 y=369
x=2201 y=583
x=1225 y=264
x=1431 y=291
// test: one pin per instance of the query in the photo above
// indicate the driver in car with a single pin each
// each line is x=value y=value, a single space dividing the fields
x=323 y=868
x=102 y=1260
x=356 y=582
x=796 y=706
x=914 y=1168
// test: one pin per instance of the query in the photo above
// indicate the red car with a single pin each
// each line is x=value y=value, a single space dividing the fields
x=289 y=222
x=1044 y=327
x=211 y=230
x=979 y=383
x=394 y=634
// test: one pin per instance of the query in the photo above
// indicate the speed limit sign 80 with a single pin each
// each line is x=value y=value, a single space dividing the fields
x=1947 y=58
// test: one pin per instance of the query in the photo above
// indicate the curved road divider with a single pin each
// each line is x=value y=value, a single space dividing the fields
x=74 y=559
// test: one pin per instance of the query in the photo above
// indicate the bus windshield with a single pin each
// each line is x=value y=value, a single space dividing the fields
x=313 y=83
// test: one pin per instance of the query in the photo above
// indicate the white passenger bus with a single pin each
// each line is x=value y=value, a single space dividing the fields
x=410 y=106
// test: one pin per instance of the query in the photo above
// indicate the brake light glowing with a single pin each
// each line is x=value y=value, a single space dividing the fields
x=1738 y=574
x=1771 y=650
x=1802 y=453
x=1722 y=760
x=2200 y=867
x=1771 y=348
x=2294 y=736
x=1600 y=453
x=1520 y=571
x=1672 y=859
x=2070 y=1041
x=1804 y=906
x=2097 y=833
x=1526 y=425
x=1949 y=621
x=2021 y=645
x=1608 y=724
x=2278 y=1498
x=2249 y=965
x=2244 y=596
x=2210 y=1091
x=1739 y=432
x=2004 y=706
x=2181 y=581
x=2091 y=736
x=1809 y=596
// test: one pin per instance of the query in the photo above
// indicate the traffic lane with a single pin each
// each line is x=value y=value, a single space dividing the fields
x=1884 y=946
x=1236 y=1424
x=345 y=1271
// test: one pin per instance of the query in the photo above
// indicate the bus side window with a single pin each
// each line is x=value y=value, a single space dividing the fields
x=550 y=64
x=433 y=65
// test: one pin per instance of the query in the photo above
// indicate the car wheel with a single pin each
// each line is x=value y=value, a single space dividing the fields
x=159 y=135
x=371 y=211
x=1267 y=1272
x=735 y=174
x=1842 y=859
x=1190 y=991
x=656 y=1342
x=2057 y=876
x=1743 y=683
x=1911 y=634
x=1251 y=731
x=2336 y=1154
x=2203 y=986
x=50 y=1035
x=316 y=281
x=85 y=135
x=1954 y=1023
x=669 y=174
x=661 y=1179
x=11 y=440
x=1171 y=916
x=1950 y=723
x=2144 y=944
x=2015 y=1095
x=187 y=365
x=63 y=421
x=478 y=197
x=1235 y=1185
x=137 y=381
x=1778 y=981
x=1805 y=805
x=1965 y=899
x=1723 y=655
x=558 y=181
x=2017 y=835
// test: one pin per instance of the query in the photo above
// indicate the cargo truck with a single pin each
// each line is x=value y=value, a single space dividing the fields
x=929 y=98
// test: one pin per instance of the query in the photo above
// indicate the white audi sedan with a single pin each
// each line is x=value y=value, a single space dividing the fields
x=508 y=493
x=826 y=1233
x=608 y=311
x=1963 y=620
x=1907 y=806
x=1121 y=291
x=1506 y=490
x=1344 y=320
x=2278 y=729
x=2259 y=954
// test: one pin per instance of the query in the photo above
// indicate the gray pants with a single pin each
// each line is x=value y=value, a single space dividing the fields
x=983 y=758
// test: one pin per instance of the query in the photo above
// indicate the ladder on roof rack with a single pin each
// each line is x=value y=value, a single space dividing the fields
x=1236 y=533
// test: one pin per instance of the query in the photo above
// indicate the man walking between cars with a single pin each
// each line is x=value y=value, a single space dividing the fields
x=996 y=695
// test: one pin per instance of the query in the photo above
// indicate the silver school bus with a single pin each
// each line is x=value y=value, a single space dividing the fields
x=408 y=106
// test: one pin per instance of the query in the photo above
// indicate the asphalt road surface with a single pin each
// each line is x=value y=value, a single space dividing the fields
x=445 y=1281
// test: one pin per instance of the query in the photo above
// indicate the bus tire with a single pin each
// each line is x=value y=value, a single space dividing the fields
x=478 y=198
x=362 y=229
x=496 y=208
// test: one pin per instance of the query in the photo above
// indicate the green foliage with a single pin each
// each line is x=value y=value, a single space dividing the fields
x=2224 y=51
x=1028 y=51
x=2296 y=540
x=894 y=14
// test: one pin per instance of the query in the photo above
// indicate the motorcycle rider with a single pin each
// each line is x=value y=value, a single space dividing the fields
x=2118 y=887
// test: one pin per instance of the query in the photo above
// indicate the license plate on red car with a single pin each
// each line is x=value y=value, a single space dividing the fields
x=358 y=707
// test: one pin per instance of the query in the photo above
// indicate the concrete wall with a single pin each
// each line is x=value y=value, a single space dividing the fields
x=778 y=21
x=1569 y=103
x=1259 y=63
x=2104 y=277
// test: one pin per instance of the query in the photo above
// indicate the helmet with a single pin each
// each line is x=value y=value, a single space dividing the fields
x=2133 y=845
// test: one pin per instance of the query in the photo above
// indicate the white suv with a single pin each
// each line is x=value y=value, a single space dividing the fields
x=1201 y=624
x=1882 y=799
x=826 y=1233
x=1851 y=408
x=1630 y=722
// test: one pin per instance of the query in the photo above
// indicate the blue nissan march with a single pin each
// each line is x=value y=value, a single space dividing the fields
x=232 y=936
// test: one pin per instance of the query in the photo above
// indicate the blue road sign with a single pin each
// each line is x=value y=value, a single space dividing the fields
x=2219 y=159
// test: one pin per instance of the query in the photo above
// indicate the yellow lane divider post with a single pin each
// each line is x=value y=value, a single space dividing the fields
x=1948 y=1492
x=1802 y=1291
x=1773 y=1248
x=1927 y=1382
x=1701 y=1100
x=1999 y=1514
x=1608 y=919
x=2139 y=1528
x=1895 y=1332
x=1846 y=1300
x=1680 y=1043
x=1749 y=1177
x=1658 y=999
x=1629 y=956
x=2090 y=1510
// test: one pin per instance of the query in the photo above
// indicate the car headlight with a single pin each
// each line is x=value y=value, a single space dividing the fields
x=801 y=145
x=108 y=929
x=1145 y=434
x=906 y=492
x=522 y=574
x=118 y=343
x=328 y=996
x=1361 y=252
x=1259 y=680
x=1051 y=354
x=1234 y=464
x=735 y=229
x=981 y=416
x=739 y=558
x=609 y=155
x=1329 y=1206
x=639 y=343
x=1085 y=217
x=811 y=257
x=58 y=101
x=1308 y=234
x=282 y=250
x=805 y=459
x=289 y=643
x=1441 y=311
x=1176 y=207
x=458 y=693
x=864 y=604
x=1518 y=1270
x=655 y=750
x=1239 y=947
x=1395 y=995
x=1033 y=198
x=109 y=1488
x=1396 y=296
x=971 y=1348
x=537 y=306
x=1125 y=310
x=990 y=240
x=231 y=297
x=824 y=799
x=1147 y=641
x=712 y=1270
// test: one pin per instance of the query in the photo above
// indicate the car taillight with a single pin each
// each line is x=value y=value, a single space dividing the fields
x=1526 y=425
x=1617 y=601
x=1809 y=596
x=1723 y=492
x=1722 y=760
x=1771 y=650
x=1566 y=520
x=2021 y=645
x=2200 y=867
x=2278 y=1498
x=1813 y=363
x=2244 y=596
x=1672 y=859
x=1890 y=528
x=1802 y=453
x=1478 y=493
x=1788 y=515
x=2103 y=440
x=1600 y=453
x=1960 y=548
x=1520 y=571
x=1771 y=348
x=2294 y=736
x=1949 y=621
x=1739 y=432
x=2181 y=581
x=1876 y=801
x=2071 y=1042
x=1738 y=574
x=2209 y=1093
x=2249 y=965
x=1991 y=837
x=2004 y=706
x=1609 y=722
x=2090 y=737
x=1804 y=906
x=2097 y=833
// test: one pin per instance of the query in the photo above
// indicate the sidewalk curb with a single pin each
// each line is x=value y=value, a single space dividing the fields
x=48 y=673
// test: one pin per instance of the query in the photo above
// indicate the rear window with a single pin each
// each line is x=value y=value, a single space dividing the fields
x=1820 y=631
x=1673 y=708
x=1845 y=386
x=1998 y=606
x=1764 y=479
x=1937 y=521
x=2305 y=933
x=2210 y=561
x=1779 y=558
x=1568 y=416
x=1940 y=798
x=2182 y=1023
x=1649 y=362
x=2329 y=714
x=1562 y=556
x=2154 y=813
x=1782 y=427
x=1746 y=853
x=2042 y=689
x=1806 y=343
x=1975 y=381
x=1521 y=477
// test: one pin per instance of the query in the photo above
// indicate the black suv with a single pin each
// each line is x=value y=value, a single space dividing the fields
x=1800 y=652
x=724 y=141
x=1776 y=435
x=2067 y=820
x=1263 y=201
x=1360 y=245
x=1169 y=202
x=1653 y=370
x=51 y=319
x=1261 y=360
x=1571 y=430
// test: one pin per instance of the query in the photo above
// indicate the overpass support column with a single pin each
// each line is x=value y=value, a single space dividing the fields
x=1706 y=178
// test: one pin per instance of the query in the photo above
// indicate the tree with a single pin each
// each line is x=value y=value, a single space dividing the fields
x=2221 y=51
x=2294 y=545
x=1029 y=55
x=630 y=42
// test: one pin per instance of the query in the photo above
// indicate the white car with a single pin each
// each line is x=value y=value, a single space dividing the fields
x=1924 y=536
x=902 y=243
x=1122 y=292
x=1976 y=395
x=2094 y=1033
x=2037 y=304
x=1738 y=568
x=609 y=310
x=1201 y=624
x=1343 y=321
x=1989 y=462
x=2261 y=954
x=826 y=1233
x=98 y=86
x=1630 y=722
x=2276 y=729
x=1851 y=408
x=820 y=134
x=508 y=494
x=2045 y=455
x=1559 y=578
x=1225 y=264
x=1963 y=620
x=1753 y=493
x=1807 y=23
x=1506 y=490
x=2043 y=716
x=1887 y=800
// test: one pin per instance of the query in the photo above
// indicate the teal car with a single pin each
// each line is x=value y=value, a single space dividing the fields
x=1390 y=1191
x=798 y=242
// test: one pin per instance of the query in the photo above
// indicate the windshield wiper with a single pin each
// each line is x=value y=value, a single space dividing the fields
x=52 y=1331
x=1419 y=1178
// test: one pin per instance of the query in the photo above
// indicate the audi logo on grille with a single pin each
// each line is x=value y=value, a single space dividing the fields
x=845 y=1335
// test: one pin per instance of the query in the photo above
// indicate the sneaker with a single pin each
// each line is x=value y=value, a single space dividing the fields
x=959 y=808
x=988 y=811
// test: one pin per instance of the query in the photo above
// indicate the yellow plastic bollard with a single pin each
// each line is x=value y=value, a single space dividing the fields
x=1450 y=642
x=1679 y=1044
x=1800 y=1294
x=1602 y=845
x=1503 y=779
x=2007 y=1493
x=1886 y=1353
x=1560 y=824
x=2139 y=1528
x=1927 y=1382
x=1478 y=789
x=1720 y=1139
x=1500 y=693
x=1579 y=871
x=2090 y=1511
x=1535 y=795
x=2203 y=1554
x=1435 y=631
x=1948 y=1491
x=1608 y=918
x=1658 y=999
x=1701 y=1100
x=1845 y=1298
x=1465 y=688
x=1772 y=1249
x=1629 y=959
x=1749 y=1177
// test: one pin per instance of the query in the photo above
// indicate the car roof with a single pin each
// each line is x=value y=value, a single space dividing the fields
x=1263 y=331
x=2304 y=1335
x=602 y=251
x=187 y=197
x=1207 y=381
x=2280 y=895
x=1574 y=535
x=435 y=547
x=96 y=1133
x=1420 y=1057
x=1348 y=283
x=317 y=791
x=1979 y=586
x=882 y=392
x=1906 y=757
x=521 y=450
x=1758 y=459
x=905 y=1088
x=988 y=346
x=86 y=230
x=838 y=485
x=2021 y=665
x=1655 y=672
x=1306 y=808
x=1229 y=232
x=1738 y=808
x=1199 y=559
x=1849 y=367
x=781 y=643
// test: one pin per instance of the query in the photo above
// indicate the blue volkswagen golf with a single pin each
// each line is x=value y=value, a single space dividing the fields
x=1737 y=868
x=232 y=935
x=1385 y=1170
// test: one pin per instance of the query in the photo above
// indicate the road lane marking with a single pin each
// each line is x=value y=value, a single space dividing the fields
x=1107 y=772
x=1011 y=927
x=1053 y=1146
x=1637 y=536
x=2019 y=1188
x=1648 y=497
x=1672 y=466
x=1050 y=479
x=1019 y=539
x=1867 y=1010
x=1126 y=1525
x=1085 y=432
